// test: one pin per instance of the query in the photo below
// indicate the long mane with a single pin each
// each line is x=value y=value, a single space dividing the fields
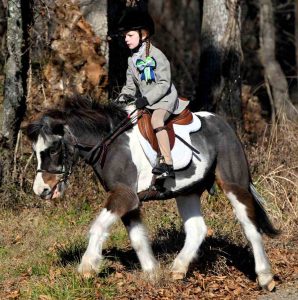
x=83 y=115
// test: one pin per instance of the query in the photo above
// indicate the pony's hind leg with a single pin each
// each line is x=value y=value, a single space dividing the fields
x=139 y=240
x=195 y=229
x=245 y=210
x=121 y=200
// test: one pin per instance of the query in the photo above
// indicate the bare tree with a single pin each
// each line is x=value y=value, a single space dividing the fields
x=221 y=55
x=296 y=37
x=95 y=12
x=177 y=35
x=276 y=82
x=14 y=104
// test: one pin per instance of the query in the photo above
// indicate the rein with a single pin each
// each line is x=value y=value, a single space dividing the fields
x=99 y=151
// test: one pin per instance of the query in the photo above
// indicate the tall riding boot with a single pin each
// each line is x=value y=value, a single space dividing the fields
x=165 y=166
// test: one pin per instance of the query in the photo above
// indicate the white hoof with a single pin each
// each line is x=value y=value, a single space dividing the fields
x=266 y=281
x=178 y=275
x=89 y=265
x=179 y=269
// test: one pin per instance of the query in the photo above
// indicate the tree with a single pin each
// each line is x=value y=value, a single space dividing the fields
x=276 y=82
x=219 y=81
x=14 y=105
x=95 y=12
x=177 y=26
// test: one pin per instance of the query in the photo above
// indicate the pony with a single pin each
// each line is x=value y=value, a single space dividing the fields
x=60 y=136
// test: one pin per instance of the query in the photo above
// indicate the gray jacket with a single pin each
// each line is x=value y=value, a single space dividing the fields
x=160 y=93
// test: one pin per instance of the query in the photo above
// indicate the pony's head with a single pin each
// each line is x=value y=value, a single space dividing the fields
x=55 y=153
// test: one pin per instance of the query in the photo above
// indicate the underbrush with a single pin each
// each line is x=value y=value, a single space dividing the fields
x=41 y=242
x=274 y=166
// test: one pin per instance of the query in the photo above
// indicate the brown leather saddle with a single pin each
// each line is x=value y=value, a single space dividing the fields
x=145 y=127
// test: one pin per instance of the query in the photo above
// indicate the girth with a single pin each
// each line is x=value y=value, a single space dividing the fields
x=145 y=127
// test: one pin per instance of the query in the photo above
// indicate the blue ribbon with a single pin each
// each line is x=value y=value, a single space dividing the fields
x=146 y=68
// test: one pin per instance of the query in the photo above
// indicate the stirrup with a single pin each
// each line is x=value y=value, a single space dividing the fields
x=163 y=170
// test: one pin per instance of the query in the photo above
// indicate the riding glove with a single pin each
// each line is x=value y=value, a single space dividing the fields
x=141 y=102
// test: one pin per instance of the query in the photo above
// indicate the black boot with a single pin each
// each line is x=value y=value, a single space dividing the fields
x=164 y=170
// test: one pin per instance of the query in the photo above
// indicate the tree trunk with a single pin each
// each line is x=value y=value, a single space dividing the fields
x=14 y=104
x=2 y=33
x=221 y=55
x=95 y=12
x=177 y=26
x=277 y=85
x=296 y=39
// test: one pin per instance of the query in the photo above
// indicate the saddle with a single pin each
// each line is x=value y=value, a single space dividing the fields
x=145 y=127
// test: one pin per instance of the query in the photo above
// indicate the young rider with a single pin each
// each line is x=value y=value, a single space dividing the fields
x=148 y=77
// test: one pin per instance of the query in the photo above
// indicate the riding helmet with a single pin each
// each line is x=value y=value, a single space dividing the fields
x=136 y=19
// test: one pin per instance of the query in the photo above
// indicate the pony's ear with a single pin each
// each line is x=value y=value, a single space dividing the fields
x=32 y=130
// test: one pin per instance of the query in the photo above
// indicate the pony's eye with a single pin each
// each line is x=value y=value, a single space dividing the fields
x=55 y=149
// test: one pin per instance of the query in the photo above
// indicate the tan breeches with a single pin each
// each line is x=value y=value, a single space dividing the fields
x=159 y=116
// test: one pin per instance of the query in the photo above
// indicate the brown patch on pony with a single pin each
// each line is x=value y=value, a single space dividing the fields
x=242 y=195
x=50 y=179
x=122 y=200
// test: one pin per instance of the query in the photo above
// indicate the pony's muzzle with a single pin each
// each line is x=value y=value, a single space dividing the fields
x=46 y=193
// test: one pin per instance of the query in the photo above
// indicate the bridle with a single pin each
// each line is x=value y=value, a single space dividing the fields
x=67 y=166
x=96 y=154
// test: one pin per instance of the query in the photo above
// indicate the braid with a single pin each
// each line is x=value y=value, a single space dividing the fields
x=147 y=47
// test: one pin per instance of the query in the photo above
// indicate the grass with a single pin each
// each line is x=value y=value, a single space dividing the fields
x=41 y=242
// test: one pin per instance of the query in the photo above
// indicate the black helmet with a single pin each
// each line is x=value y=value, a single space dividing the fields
x=136 y=19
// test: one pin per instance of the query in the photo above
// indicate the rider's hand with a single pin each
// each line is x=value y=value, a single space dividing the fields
x=141 y=102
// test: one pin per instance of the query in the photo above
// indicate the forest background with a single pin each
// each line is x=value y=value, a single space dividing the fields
x=235 y=58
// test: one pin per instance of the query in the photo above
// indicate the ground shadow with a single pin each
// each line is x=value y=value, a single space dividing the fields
x=169 y=242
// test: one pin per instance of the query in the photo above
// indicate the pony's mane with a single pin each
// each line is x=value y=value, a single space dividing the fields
x=83 y=115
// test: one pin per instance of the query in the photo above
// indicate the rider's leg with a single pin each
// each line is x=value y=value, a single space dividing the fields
x=159 y=116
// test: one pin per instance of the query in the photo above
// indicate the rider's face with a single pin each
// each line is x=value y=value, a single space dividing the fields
x=132 y=39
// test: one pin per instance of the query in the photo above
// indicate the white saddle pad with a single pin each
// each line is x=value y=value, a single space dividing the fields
x=181 y=154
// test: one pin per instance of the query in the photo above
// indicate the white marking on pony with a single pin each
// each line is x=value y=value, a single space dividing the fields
x=39 y=185
x=98 y=233
x=204 y=114
x=140 y=242
x=195 y=229
x=140 y=160
x=262 y=266
x=200 y=168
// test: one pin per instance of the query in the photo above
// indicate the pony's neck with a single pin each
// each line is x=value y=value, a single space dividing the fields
x=91 y=127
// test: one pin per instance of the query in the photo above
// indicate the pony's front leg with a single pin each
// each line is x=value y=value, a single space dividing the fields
x=121 y=200
x=98 y=233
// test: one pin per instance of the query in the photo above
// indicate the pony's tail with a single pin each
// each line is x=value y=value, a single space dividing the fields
x=262 y=218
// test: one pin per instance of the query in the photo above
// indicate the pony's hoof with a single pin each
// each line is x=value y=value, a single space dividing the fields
x=178 y=275
x=89 y=267
x=271 y=285
x=87 y=275
x=266 y=282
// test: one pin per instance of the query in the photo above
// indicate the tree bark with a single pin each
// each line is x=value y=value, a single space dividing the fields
x=296 y=39
x=277 y=84
x=221 y=55
x=177 y=26
x=2 y=33
x=14 y=104
x=96 y=13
